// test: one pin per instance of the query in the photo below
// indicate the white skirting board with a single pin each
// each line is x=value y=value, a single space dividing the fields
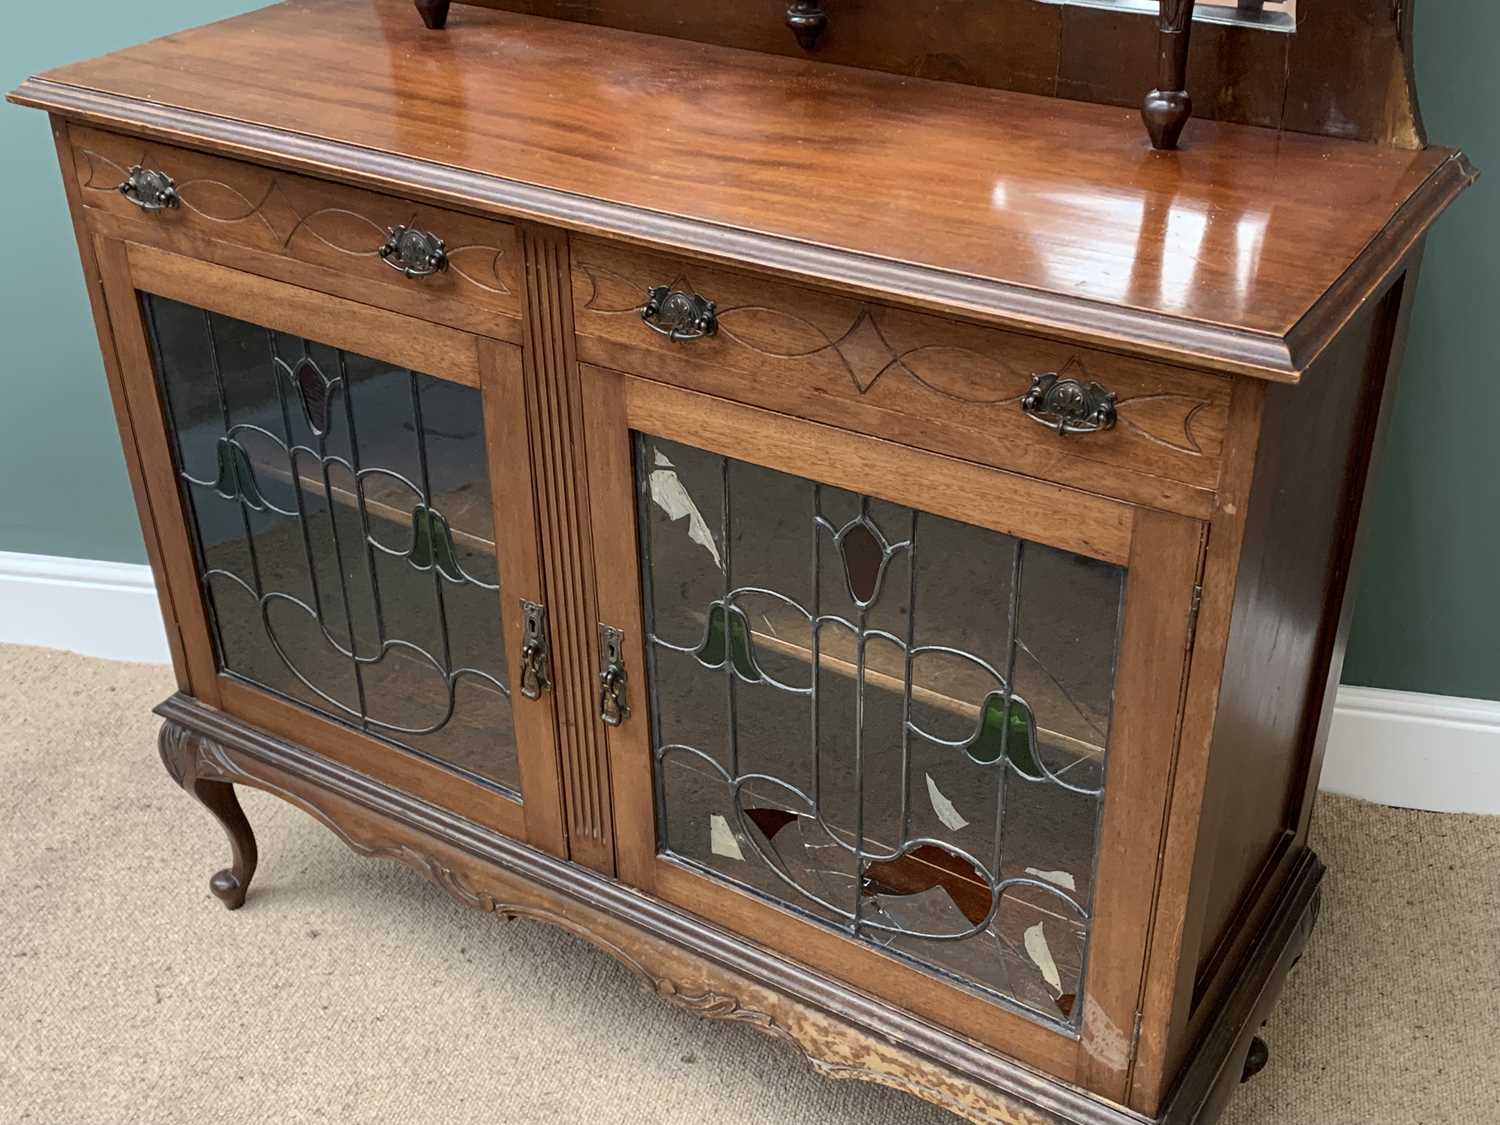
x=1395 y=747
x=106 y=609
x=1437 y=752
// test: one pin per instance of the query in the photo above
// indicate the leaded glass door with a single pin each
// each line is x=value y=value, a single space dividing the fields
x=886 y=709
x=357 y=549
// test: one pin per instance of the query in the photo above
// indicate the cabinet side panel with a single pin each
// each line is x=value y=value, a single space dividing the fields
x=1310 y=474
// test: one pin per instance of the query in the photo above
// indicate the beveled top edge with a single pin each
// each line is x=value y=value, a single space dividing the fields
x=1381 y=257
x=1153 y=335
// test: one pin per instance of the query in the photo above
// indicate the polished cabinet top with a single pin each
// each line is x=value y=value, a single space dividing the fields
x=1245 y=250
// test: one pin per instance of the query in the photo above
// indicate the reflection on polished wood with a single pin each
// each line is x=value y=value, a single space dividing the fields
x=1042 y=197
x=1346 y=73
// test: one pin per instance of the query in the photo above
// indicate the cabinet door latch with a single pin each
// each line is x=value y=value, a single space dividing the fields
x=614 y=700
x=535 y=674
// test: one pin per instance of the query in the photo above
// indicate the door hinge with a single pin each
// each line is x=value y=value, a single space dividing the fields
x=1135 y=1049
x=1192 y=628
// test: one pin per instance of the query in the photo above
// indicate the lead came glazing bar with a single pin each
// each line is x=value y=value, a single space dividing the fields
x=359 y=502
x=1012 y=625
x=859 y=732
x=727 y=555
x=218 y=373
x=816 y=589
x=305 y=369
x=643 y=482
x=906 y=681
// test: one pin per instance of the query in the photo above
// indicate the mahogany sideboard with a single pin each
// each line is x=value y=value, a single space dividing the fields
x=867 y=552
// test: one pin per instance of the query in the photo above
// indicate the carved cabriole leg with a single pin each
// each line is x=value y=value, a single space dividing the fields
x=1168 y=107
x=434 y=13
x=179 y=753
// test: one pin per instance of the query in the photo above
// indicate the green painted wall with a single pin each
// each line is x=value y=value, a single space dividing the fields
x=1428 y=609
x=65 y=491
x=1427 y=612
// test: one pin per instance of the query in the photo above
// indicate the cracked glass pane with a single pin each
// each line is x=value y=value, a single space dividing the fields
x=893 y=722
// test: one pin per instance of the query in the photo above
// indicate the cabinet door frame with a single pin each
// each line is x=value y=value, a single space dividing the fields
x=1162 y=552
x=127 y=270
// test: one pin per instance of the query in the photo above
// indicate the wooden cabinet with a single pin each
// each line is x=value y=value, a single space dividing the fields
x=887 y=595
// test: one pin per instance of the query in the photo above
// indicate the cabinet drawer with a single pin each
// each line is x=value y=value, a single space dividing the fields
x=311 y=232
x=918 y=379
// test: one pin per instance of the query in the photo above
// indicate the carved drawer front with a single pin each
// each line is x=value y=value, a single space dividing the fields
x=922 y=380
x=425 y=261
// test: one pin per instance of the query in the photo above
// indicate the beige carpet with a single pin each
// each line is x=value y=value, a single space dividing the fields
x=351 y=991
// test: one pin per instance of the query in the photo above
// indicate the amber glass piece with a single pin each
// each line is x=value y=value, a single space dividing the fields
x=770 y=821
x=864 y=557
x=927 y=866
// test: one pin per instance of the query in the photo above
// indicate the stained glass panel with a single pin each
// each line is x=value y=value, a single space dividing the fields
x=888 y=720
x=341 y=513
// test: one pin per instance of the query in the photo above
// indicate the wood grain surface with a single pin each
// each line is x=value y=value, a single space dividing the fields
x=1036 y=210
x=1346 y=72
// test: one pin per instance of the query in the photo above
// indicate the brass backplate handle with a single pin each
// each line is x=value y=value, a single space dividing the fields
x=1069 y=406
x=413 y=252
x=678 y=314
x=535 y=673
x=614 y=699
x=149 y=189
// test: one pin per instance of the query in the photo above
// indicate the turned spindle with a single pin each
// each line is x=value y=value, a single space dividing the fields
x=434 y=13
x=1167 y=108
x=807 y=21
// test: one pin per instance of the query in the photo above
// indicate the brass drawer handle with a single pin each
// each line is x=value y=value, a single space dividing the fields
x=678 y=315
x=413 y=252
x=149 y=189
x=1069 y=406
